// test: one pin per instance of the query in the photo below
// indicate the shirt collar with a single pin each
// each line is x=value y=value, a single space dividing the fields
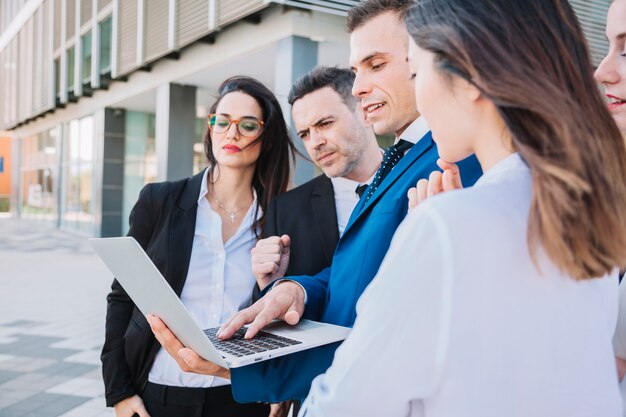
x=502 y=168
x=415 y=131
x=204 y=187
x=344 y=184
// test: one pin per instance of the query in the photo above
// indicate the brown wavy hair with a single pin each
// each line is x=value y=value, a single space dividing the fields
x=273 y=168
x=530 y=58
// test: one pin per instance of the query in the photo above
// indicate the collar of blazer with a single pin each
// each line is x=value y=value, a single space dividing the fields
x=182 y=229
x=325 y=214
x=413 y=155
x=188 y=197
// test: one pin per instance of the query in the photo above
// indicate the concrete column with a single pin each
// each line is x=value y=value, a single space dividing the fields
x=175 y=131
x=113 y=172
x=295 y=57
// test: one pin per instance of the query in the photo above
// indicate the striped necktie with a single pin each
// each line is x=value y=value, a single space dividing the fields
x=392 y=156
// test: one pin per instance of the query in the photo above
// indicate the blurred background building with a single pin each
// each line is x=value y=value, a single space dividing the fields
x=100 y=97
x=5 y=172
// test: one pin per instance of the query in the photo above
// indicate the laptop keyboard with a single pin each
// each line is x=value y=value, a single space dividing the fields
x=238 y=346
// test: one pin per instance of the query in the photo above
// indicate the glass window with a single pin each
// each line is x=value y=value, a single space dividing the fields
x=57 y=77
x=140 y=162
x=105 y=45
x=70 y=69
x=70 y=174
x=38 y=177
x=85 y=172
x=86 y=58
x=199 y=157
x=78 y=165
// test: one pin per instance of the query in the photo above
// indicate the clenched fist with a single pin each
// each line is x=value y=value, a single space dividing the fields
x=270 y=258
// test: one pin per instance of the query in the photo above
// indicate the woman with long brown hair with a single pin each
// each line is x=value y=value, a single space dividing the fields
x=500 y=299
x=199 y=232
x=611 y=73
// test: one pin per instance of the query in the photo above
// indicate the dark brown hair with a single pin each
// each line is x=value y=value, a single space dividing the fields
x=529 y=57
x=271 y=176
x=340 y=80
x=366 y=10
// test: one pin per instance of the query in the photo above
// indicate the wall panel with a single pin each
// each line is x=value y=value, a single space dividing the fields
x=592 y=17
x=127 y=36
x=86 y=10
x=70 y=18
x=229 y=11
x=192 y=20
x=47 y=66
x=157 y=24
x=102 y=4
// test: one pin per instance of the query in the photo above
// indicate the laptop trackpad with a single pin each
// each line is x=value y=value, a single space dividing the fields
x=304 y=325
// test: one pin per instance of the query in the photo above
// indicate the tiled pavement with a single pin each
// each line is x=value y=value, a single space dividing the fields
x=52 y=306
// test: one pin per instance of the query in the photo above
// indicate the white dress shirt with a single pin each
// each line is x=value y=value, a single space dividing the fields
x=415 y=131
x=219 y=283
x=459 y=322
x=346 y=199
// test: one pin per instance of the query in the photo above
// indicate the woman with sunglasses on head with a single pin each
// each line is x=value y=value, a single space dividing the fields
x=500 y=299
x=199 y=232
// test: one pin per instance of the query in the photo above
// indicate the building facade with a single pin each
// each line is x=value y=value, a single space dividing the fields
x=101 y=97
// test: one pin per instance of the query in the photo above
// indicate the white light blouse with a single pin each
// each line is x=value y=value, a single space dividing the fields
x=219 y=284
x=459 y=322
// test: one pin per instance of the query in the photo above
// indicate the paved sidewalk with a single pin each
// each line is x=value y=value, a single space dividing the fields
x=52 y=309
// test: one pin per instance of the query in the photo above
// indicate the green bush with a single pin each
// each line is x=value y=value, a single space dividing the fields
x=5 y=204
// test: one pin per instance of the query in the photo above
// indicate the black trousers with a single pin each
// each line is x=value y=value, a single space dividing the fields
x=166 y=401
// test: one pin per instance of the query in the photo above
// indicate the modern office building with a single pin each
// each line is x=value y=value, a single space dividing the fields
x=102 y=96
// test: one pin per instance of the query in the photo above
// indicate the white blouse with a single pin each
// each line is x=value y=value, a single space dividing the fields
x=459 y=322
x=619 y=339
x=219 y=283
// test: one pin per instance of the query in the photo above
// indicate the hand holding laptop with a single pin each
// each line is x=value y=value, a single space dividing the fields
x=187 y=359
x=175 y=328
x=284 y=302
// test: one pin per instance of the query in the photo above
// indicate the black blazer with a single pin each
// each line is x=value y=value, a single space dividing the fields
x=308 y=215
x=163 y=221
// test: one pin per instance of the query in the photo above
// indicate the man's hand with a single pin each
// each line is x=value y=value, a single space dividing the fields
x=270 y=258
x=437 y=183
x=285 y=302
x=187 y=359
x=280 y=409
x=131 y=406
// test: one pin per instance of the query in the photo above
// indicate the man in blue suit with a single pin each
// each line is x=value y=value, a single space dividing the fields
x=379 y=44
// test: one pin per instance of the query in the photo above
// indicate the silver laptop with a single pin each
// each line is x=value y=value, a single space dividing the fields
x=144 y=283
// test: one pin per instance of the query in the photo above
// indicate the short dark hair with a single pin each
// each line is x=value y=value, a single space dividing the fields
x=339 y=79
x=366 y=10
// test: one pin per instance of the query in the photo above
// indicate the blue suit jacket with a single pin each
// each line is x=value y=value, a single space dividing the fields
x=333 y=293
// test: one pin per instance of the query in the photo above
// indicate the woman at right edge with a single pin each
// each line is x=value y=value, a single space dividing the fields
x=500 y=299
x=611 y=73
